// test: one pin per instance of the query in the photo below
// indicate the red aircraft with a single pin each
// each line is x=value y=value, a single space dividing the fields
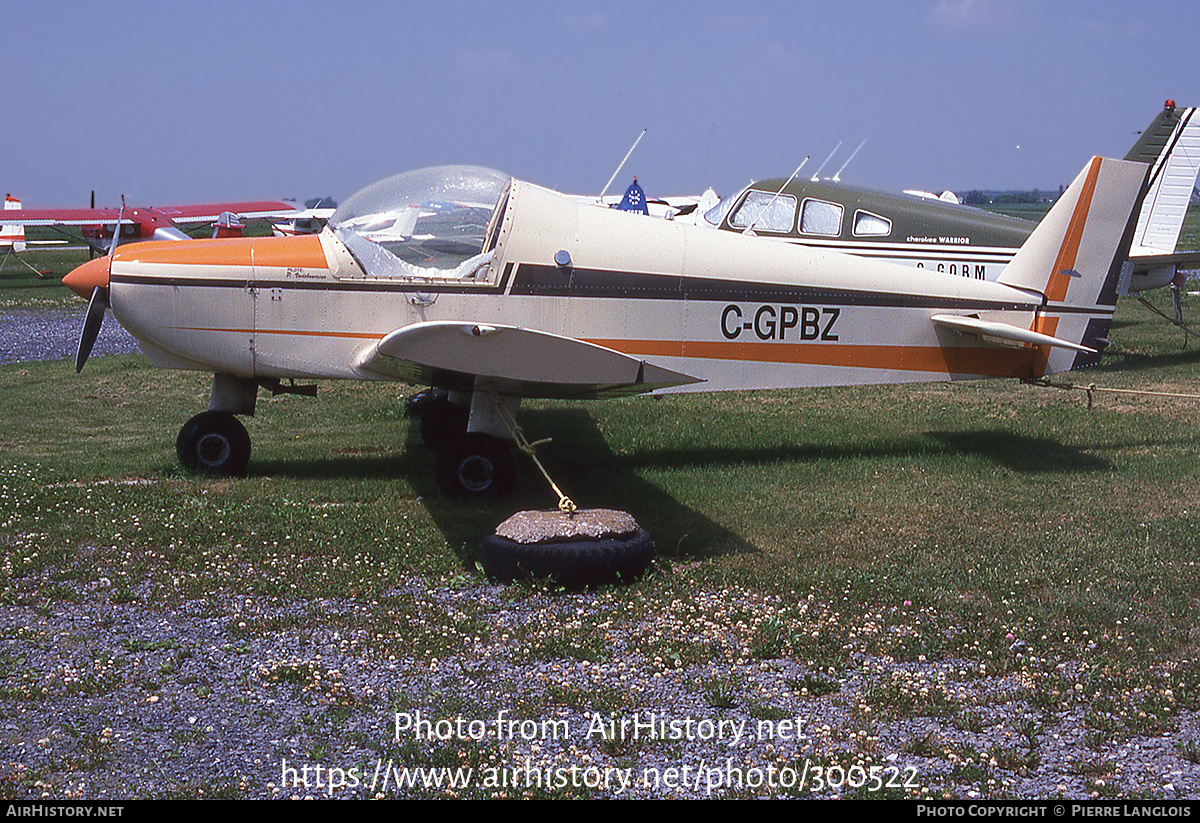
x=146 y=223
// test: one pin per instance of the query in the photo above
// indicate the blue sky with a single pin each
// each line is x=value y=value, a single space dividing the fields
x=172 y=102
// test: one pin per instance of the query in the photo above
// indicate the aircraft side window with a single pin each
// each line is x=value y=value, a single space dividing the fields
x=871 y=225
x=821 y=217
x=766 y=211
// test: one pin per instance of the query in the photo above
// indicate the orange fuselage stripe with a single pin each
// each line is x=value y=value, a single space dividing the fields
x=292 y=332
x=1056 y=286
x=990 y=362
x=303 y=251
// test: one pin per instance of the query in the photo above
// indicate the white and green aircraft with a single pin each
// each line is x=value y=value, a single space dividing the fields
x=945 y=237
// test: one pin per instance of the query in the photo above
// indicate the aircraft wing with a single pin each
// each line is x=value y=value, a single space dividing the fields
x=306 y=214
x=209 y=212
x=65 y=217
x=1144 y=272
x=206 y=213
x=449 y=354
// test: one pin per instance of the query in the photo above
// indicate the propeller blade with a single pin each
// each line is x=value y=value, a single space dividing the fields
x=91 y=326
x=117 y=228
x=91 y=248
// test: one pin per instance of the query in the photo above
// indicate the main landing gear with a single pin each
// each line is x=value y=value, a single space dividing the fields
x=471 y=464
x=476 y=465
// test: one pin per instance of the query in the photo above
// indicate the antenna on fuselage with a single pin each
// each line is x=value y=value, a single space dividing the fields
x=827 y=159
x=837 y=178
x=750 y=229
x=618 y=171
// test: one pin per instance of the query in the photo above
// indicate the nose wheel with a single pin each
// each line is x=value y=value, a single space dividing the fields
x=215 y=443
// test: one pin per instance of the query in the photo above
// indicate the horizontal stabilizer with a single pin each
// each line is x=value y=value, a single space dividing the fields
x=452 y=354
x=1003 y=332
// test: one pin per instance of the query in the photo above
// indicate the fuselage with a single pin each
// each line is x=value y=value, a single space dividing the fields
x=729 y=311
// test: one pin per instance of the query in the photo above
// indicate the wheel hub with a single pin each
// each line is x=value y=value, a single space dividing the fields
x=213 y=450
x=476 y=473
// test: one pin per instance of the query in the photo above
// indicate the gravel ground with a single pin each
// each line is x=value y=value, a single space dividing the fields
x=221 y=697
x=105 y=694
x=54 y=335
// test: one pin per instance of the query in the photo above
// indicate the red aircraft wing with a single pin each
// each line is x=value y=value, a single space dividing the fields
x=205 y=213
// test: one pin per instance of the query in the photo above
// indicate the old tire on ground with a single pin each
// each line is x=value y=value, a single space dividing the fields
x=214 y=442
x=573 y=563
x=476 y=466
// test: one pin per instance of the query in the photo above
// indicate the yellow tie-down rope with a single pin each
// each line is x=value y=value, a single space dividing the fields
x=565 y=504
x=1092 y=387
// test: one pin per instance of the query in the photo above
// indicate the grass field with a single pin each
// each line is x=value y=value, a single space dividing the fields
x=1008 y=526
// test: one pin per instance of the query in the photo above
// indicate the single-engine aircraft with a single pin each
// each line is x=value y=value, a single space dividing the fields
x=946 y=237
x=138 y=223
x=309 y=220
x=541 y=296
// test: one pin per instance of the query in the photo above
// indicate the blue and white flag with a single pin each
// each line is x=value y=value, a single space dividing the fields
x=634 y=199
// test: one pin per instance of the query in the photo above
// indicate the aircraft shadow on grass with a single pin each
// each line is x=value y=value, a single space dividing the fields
x=585 y=466
x=1123 y=361
x=1017 y=452
x=580 y=461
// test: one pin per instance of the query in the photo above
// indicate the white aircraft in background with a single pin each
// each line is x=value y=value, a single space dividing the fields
x=12 y=237
x=309 y=220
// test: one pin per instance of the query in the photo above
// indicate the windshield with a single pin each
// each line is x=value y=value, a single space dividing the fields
x=425 y=223
x=716 y=215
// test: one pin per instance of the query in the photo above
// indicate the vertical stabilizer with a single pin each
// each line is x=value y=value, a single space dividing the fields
x=12 y=236
x=1074 y=258
x=1171 y=146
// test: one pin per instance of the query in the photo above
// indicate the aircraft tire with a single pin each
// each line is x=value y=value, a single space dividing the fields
x=425 y=400
x=442 y=422
x=476 y=466
x=573 y=564
x=214 y=443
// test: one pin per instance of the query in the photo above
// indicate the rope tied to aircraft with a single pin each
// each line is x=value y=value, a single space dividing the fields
x=1091 y=388
x=1175 y=321
x=565 y=504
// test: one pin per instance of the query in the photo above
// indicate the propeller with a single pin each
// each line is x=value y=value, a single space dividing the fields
x=91 y=326
x=92 y=251
x=91 y=280
x=117 y=228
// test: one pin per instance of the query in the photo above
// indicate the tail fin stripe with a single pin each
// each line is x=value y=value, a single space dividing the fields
x=1056 y=285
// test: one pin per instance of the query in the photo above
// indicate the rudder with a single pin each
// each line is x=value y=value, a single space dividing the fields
x=1074 y=259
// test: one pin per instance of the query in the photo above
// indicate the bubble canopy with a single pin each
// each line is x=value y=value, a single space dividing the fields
x=426 y=223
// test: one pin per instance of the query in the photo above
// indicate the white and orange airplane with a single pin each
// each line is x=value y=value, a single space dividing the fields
x=501 y=290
